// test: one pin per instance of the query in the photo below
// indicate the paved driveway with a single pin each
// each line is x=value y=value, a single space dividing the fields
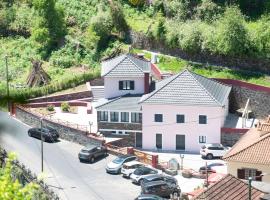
x=63 y=171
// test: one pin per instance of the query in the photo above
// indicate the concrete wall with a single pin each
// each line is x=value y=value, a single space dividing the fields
x=65 y=132
x=191 y=128
x=233 y=166
x=111 y=86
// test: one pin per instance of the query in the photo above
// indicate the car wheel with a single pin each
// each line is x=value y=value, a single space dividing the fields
x=209 y=156
x=30 y=135
x=92 y=159
x=119 y=171
x=175 y=194
x=140 y=181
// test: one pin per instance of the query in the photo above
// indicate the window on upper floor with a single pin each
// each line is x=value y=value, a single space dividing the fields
x=126 y=85
x=102 y=116
x=202 y=119
x=136 y=117
x=114 y=116
x=124 y=116
x=158 y=118
x=180 y=118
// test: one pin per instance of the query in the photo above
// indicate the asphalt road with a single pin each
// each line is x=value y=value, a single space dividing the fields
x=62 y=169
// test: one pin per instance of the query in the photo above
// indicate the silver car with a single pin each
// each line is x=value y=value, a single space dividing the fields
x=115 y=166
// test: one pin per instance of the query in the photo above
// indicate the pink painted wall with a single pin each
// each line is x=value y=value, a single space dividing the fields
x=111 y=86
x=191 y=128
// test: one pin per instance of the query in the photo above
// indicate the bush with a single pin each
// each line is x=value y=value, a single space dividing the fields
x=137 y=2
x=207 y=10
x=65 y=107
x=50 y=107
x=177 y=9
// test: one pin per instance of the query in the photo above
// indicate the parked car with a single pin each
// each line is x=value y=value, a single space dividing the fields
x=129 y=167
x=141 y=172
x=91 y=152
x=116 y=165
x=149 y=197
x=159 y=177
x=213 y=150
x=48 y=135
x=52 y=130
x=161 y=188
x=210 y=168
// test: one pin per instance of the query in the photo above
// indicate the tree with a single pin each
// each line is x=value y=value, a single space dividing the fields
x=50 y=25
x=137 y=2
x=207 y=10
x=12 y=189
x=7 y=15
x=231 y=36
x=159 y=29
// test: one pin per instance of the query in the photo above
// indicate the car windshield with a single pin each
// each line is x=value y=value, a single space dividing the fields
x=85 y=151
x=138 y=171
x=118 y=160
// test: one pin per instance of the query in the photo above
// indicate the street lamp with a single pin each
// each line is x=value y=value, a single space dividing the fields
x=182 y=156
x=41 y=125
x=90 y=124
x=249 y=184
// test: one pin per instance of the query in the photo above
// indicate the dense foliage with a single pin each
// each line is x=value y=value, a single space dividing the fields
x=13 y=189
x=71 y=37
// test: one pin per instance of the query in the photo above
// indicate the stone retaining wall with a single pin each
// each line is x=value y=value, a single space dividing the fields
x=241 y=91
x=140 y=40
x=65 y=132
x=119 y=126
x=229 y=136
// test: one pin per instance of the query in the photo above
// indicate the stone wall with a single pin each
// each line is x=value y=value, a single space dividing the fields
x=119 y=126
x=229 y=136
x=66 y=133
x=259 y=97
x=63 y=97
x=126 y=141
x=140 y=40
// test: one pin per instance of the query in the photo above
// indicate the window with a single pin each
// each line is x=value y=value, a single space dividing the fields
x=202 y=119
x=126 y=85
x=159 y=141
x=114 y=116
x=180 y=142
x=202 y=139
x=245 y=173
x=136 y=117
x=180 y=118
x=158 y=118
x=102 y=116
x=124 y=117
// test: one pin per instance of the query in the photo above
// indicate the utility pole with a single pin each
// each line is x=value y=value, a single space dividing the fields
x=90 y=124
x=249 y=187
x=206 y=175
x=41 y=119
x=7 y=75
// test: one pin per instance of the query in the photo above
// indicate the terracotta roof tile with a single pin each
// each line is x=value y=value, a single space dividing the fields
x=229 y=188
x=253 y=147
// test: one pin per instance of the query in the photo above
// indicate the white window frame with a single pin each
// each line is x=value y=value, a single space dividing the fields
x=202 y=139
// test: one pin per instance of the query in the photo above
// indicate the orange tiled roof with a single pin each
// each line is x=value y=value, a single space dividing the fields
x=229 y=188
x=253 y=147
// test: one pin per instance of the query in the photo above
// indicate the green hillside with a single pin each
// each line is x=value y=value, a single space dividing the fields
x=71 y=37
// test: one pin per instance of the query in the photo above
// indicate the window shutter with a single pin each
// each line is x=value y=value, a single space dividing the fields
x=132 y=85
x=120 y=85
x=241 y=173
x=258 y=176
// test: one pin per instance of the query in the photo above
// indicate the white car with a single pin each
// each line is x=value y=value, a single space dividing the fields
x=130 y=167
x=115 y=166
x=141 y=172
x=213 y=150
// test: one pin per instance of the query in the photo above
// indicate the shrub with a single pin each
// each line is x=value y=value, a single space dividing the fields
x=50 y=107
x=65 y=107
x=137 y=2
x=231 y=36
x=207 y=10
x=159 y=29
x=178 y=9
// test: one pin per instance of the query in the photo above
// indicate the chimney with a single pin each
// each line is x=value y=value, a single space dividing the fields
x=146 y=83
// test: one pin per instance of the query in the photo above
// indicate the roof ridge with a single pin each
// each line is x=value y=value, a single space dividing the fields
x=261 y=138
x=134 y=63
x=177 y=75
x=192 y=74
x=124 y=57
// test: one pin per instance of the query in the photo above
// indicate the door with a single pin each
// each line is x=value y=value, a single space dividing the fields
x=180 y=142
x=159 y=141
x=138 y=138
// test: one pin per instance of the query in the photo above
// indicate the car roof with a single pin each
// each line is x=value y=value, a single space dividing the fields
x=89 y=147
x=154 y=183
x=153 y=176
x=134 y=162
x=213 y=145
x=126 y=156
x=143 y=196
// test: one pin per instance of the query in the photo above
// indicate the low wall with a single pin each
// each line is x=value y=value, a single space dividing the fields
x=65 y=132
x=63 y=97
x=241 y=91
x=229 y=136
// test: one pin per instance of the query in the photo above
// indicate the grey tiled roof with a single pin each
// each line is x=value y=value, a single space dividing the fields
x=129 y=102
x=126 y=65
x=188 y=88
